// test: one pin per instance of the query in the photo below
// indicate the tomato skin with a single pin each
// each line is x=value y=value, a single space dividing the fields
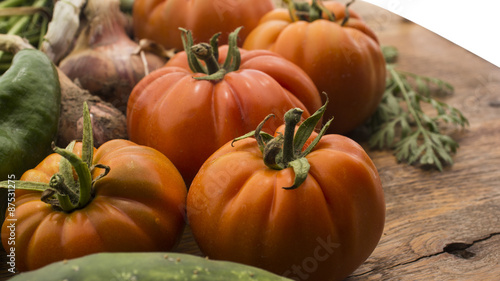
x=346 y=61
x=322 y=230
x=138 y=206
x=189 y=119
x=160 y=20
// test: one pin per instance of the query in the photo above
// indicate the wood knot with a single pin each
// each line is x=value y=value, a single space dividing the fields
x=459 y=250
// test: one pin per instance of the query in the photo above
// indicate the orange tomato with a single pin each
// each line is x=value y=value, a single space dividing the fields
x=343 y=59
x=138 y=206
x=188 y=119
x=240 y=209
x=159 y=20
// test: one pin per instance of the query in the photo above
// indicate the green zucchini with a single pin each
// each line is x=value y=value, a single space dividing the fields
x=146 y=266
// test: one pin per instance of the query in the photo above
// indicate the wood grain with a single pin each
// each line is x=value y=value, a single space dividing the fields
x=428 y=210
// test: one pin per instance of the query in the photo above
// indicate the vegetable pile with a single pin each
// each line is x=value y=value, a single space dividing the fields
x=187 y=111
x=123 y=121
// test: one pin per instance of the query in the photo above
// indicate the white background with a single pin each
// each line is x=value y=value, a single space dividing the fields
x=473 y=25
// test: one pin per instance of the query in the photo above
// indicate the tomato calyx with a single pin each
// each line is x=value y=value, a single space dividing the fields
x=303 y=11
x=66 y=193
x=63 y=192
x=287 y=150
x=208 y=53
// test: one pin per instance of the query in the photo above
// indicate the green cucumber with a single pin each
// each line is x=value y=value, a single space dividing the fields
x=145 y=266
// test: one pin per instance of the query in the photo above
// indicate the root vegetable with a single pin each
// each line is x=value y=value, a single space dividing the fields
x=107 y=121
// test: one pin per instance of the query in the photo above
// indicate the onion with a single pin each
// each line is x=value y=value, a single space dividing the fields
x=105 y=61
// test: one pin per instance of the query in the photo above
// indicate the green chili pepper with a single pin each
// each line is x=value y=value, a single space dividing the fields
x=30 y=102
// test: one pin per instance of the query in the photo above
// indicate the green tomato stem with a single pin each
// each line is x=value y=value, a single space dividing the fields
x=208 y=53
x=58 y=183
x=64 y=203
x=272 y=152
x=88 y=138
x=292 y=118
x=66 y=170
x=285 y=151
x=315 y=12
x=24 y=185
x=307 y=12
x=187 y=43
x=84 y=175
x=258 y=136
x=347 y=13
x=214 y=43
x=204 y=52
x=65 y=196
x=233 y=58
x=81 y=165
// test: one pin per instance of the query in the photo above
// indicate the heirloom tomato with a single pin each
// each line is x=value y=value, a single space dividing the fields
x=159 y=20
x=130 y=198
x=308 y=207
x=336 y=48
x=188 y=116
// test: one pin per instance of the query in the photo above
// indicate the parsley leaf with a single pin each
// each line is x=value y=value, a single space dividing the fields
x=401 y=124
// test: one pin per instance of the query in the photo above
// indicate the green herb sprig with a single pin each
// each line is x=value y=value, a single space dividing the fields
x=401 y=124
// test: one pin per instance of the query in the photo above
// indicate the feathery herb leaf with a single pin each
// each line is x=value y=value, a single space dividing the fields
x=401 y=124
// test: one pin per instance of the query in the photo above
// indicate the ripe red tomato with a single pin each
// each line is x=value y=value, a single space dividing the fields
x=138 y=206
x=317 y=219
x=188 y=119
x=159 y=20
x=343 y=59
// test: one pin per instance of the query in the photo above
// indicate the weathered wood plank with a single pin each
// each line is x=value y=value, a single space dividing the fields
x=478 y=262
x=187 y=244
x=428 y=210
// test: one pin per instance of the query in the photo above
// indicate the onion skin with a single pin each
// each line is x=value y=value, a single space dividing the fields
x=105 y=61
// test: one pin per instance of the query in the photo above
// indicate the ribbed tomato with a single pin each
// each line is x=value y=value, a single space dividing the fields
x=188 y=116
x=312 y=213
x=138 y=206
x=340 y=53
x=160 y=20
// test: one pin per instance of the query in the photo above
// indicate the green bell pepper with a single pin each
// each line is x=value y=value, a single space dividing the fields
x=30 y=104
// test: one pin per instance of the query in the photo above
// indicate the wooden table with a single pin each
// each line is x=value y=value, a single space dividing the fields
x=439 y=225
